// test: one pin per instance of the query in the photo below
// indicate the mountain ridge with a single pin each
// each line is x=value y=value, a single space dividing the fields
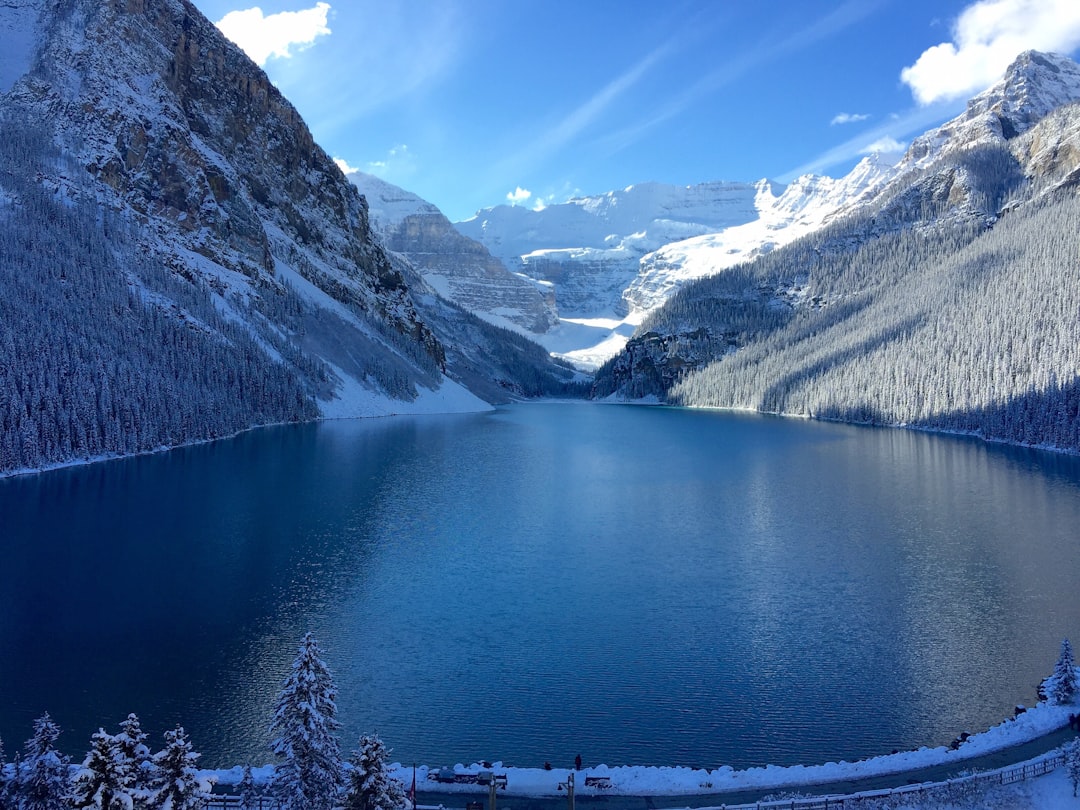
x=944 y=300
x=137 y=130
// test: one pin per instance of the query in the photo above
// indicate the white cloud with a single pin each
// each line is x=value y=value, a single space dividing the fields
x=344 y=166
x=262 y=37
x=849 y=118
x=987 y=36
x=883 y=146
x=518 y=195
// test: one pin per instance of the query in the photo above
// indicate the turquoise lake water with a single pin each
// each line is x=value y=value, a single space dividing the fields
x=638 y=585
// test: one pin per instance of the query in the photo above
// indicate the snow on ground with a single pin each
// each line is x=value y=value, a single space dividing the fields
x=1045 y=792
x=356 y=400
x=588 y=342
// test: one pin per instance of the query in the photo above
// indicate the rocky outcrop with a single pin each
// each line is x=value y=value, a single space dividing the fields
x=182 y=129
x=459 y=268
x=652 y=362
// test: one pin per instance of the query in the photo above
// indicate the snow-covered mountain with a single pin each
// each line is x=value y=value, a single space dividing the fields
x=459 y=268
x=942 y=297
x=180 y=260
x=589 y=248
x=800 y=208
x=614 y=257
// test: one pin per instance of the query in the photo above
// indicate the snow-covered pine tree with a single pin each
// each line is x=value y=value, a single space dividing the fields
x=1064 y=689
x=309 y=775
x=132 y=745
x=5 y=780
x=370 y=786
x=44 y=783
x=249 y=796
x=105 y=778
x=179 y=787
x=1072 y=763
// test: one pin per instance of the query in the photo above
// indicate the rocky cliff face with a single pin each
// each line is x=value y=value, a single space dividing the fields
x=459 y=268
x=171 y=147
x=181 y=128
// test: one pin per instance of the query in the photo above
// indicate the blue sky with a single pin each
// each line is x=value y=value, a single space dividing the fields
x=474 y=103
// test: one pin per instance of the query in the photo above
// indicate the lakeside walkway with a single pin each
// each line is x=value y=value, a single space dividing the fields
x=938 y=772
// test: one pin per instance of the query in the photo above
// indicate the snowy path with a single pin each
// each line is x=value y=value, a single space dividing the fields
x=934 y=773
x=646 y=788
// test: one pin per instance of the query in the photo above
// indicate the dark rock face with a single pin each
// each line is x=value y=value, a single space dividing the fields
x=652 y=362
x=186 y=131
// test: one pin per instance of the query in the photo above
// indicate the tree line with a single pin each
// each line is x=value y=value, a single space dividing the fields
x=119 y=771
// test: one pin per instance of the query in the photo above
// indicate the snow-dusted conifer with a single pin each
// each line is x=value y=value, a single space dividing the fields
x=44 y=783
x=131 y=742
x=309 y=775
x=249 y=795
x=179 y=787
x=5 y=780
x=1072 y=763
x=370 y=786
x=105 y=778
x=1065 y=688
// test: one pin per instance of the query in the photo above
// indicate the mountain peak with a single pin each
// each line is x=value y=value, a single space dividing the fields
x=1033 y=85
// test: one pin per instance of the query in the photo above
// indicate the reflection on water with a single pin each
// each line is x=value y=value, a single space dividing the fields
x=638 y=585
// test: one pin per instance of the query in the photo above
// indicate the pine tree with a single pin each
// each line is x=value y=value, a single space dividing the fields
x=44 y=783
x=131 y=742
x=309 y=776
x=1065 y=687
x=1072 y=763
x=105 y=779
x=249 y=796
x=5 y=782
x=370 y=786
x=178 y=786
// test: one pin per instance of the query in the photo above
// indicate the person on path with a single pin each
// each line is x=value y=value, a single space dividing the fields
x=577 y=762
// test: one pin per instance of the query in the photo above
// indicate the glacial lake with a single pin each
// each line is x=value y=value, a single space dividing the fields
x=637 y=585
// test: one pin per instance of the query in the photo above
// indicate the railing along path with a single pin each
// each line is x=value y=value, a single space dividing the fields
x=1001 y=776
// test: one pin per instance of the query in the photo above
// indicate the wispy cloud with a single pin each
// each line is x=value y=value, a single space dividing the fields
x=275 y=35
x=987 y=36
x=824 y=27
x=591 y=110
x=911 y=122
x=883 y=146
x=849 y=118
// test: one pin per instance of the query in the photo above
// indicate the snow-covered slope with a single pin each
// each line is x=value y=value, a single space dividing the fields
x=1034 y=85
x=943 y=170
x=802 y=207
x=614 y=257
x=458 y=267
x=135 y=135
x=589 y=247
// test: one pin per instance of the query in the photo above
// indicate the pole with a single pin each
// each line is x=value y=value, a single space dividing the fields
x=570 y=791
x=491 y=793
